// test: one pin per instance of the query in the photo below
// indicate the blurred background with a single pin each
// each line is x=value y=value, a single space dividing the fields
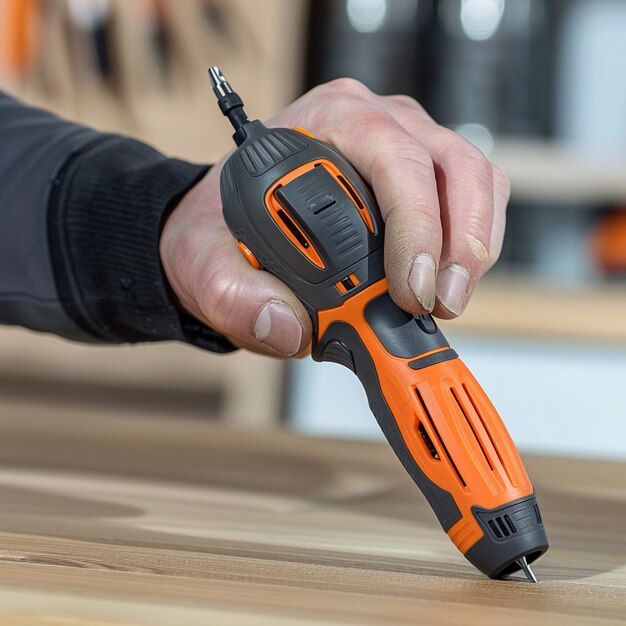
x=538 y=85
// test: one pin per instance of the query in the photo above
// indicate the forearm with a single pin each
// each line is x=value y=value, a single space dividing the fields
x=33 y=146
x=80 y=218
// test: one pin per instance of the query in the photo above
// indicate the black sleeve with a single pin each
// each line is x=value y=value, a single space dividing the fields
x=81 y=214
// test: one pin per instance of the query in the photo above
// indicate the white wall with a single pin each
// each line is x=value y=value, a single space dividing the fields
x=554 y=397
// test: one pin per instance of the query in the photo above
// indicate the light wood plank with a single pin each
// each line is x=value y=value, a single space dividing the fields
x=109 y=520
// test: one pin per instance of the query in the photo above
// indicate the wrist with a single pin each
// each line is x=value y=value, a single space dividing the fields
x=196 y=211
x=104 y=228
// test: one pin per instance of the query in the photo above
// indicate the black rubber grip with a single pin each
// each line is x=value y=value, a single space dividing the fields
x=401 y=333
x=342 y=344
x=433 y=359
x=511 y=531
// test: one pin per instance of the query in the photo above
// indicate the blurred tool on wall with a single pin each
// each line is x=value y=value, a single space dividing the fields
x=382 y=44
x=134 y=66
x=482 y=67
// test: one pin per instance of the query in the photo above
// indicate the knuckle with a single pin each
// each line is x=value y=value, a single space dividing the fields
x=404 y=156
x=347 y=87
x=417 y=224
x=394 y=163
x=373 y=128
x=411 y=226
x=407 y=101
x=401 y=98
x=420 y=158
x=463 y=155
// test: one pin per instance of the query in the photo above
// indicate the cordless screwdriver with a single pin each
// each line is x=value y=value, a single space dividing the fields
x=299 y=210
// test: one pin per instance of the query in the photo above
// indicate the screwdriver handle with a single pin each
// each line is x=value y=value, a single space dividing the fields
x=441 y=425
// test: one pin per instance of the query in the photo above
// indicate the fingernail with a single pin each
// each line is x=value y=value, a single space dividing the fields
x=452 y=287
x=422 y=279
x=278 y=327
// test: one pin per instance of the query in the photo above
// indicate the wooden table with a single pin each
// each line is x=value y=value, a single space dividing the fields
x=115 y=520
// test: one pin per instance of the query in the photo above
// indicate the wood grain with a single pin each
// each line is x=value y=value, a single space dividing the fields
x=124 y=521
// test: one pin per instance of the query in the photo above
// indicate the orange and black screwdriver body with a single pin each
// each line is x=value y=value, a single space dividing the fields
x=300 y=211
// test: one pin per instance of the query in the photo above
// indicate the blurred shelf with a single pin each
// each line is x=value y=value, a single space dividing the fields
x=521 y=306
x=159 y=92
x=165 y=377
x=549 y=171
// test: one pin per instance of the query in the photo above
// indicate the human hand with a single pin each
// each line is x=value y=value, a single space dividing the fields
x=443 y=203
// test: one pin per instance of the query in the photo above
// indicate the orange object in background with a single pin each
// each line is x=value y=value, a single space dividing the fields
x=608 y=242
x=19 y=21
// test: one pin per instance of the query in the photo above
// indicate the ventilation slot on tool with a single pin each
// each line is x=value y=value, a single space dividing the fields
x=510 y=524
x=351 y=191
x=293 y=229
x=363 y=212
x=538 y=514
x=429 y=420
x=502 y=526
x=428 y=441
x=482 y=421
x=471 y=427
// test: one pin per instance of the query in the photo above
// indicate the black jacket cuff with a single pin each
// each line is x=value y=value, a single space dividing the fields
x=106 y=213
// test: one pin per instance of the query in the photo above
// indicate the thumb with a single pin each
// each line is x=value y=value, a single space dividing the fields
x=252 y=308
x=213 y=281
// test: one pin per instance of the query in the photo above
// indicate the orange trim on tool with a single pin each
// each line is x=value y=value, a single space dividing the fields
x=340 y=287
x=303 y=131
x=442 y=408
x=354 y=196
x=299 y=239
x=425 y=354
x=248 y=255
x=286 y=223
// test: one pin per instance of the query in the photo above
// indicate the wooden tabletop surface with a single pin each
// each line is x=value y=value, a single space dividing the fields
x=115 y=520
